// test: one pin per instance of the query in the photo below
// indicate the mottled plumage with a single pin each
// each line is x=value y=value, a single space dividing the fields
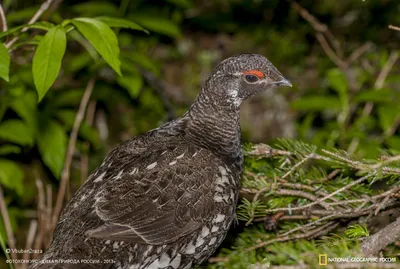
x=166 y=199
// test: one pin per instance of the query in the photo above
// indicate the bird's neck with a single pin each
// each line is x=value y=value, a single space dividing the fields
x=215 y=126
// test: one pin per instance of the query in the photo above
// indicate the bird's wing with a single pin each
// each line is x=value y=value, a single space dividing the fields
x=158 y=198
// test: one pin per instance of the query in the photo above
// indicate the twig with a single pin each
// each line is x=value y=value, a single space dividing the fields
x=7 y=224
x=41 y=214
x=3 y=19
x=326 y=228
x=49 y=208
x=265 y=150
x=71 y=148
x=358 y=52
x=394 y=27
x=328 y=50
x=302 y=194
x=30 y=238
x=375 y=243
x=322 y=199
x=35 y=17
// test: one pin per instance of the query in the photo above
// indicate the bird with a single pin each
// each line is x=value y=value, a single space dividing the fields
x=165 y=199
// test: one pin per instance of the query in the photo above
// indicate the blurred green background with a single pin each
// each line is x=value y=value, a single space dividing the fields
x=346 y=81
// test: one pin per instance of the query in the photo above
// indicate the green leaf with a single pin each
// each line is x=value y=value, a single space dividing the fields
x=9 y=149
x=133 y=83
x=376 y=96
x=316 y=103
x=102 y=38
x=337 y=80
x=121 y=23
x=158 y=24
x=52 y=144
x=25 y=106
x=11 y=176
x=16 y=131
x=47 y=59
x=388 y=115
x=4 y=63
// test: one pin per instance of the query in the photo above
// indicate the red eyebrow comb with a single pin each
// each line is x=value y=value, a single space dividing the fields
x=254 y=72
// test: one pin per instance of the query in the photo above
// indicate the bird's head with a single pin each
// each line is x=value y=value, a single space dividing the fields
x=239 y=77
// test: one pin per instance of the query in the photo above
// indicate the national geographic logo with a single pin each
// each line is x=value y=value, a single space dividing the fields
x=323 y=259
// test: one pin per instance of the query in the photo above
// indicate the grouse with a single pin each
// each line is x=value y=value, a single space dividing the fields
x=166 y=199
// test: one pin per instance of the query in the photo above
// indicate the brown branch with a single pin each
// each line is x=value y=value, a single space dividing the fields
x=70 y=151
x=40 y=214
x=328 y=50
x=30 y=238
x=7 y=224
x=375 y=243
x=35 y=17
x=3 y=19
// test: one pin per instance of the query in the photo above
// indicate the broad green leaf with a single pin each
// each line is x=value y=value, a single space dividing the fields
x=43 y=25
x=25 y=107
x=337 y=80
x=11 y=175
x=121 y=23
x=4 y=62
x=376 y=96
x=16 y=131
x=23 y=14
x=9 y=149
x=102 y=39
x=316 y=103
x=47 y=59
x=133 y=83
x=157 y=24
x=388 y=115
x=52 y=144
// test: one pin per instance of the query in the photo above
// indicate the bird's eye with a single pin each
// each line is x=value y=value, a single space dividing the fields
x=251 y=78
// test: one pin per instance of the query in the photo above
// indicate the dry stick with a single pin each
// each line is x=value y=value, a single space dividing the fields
x=358 y=52
x=375 y=243
x=70 y=151
x=394 y=27
x=29 y=239
x=3 y=19
x=35 y=17
x=7 y=224
x=328 y=50
x=49 y=207
x=41 y=214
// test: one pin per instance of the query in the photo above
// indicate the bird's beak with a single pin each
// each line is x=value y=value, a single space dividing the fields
x=284 y=82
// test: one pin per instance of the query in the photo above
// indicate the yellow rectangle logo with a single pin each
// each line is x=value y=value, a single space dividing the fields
x=323 y=259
